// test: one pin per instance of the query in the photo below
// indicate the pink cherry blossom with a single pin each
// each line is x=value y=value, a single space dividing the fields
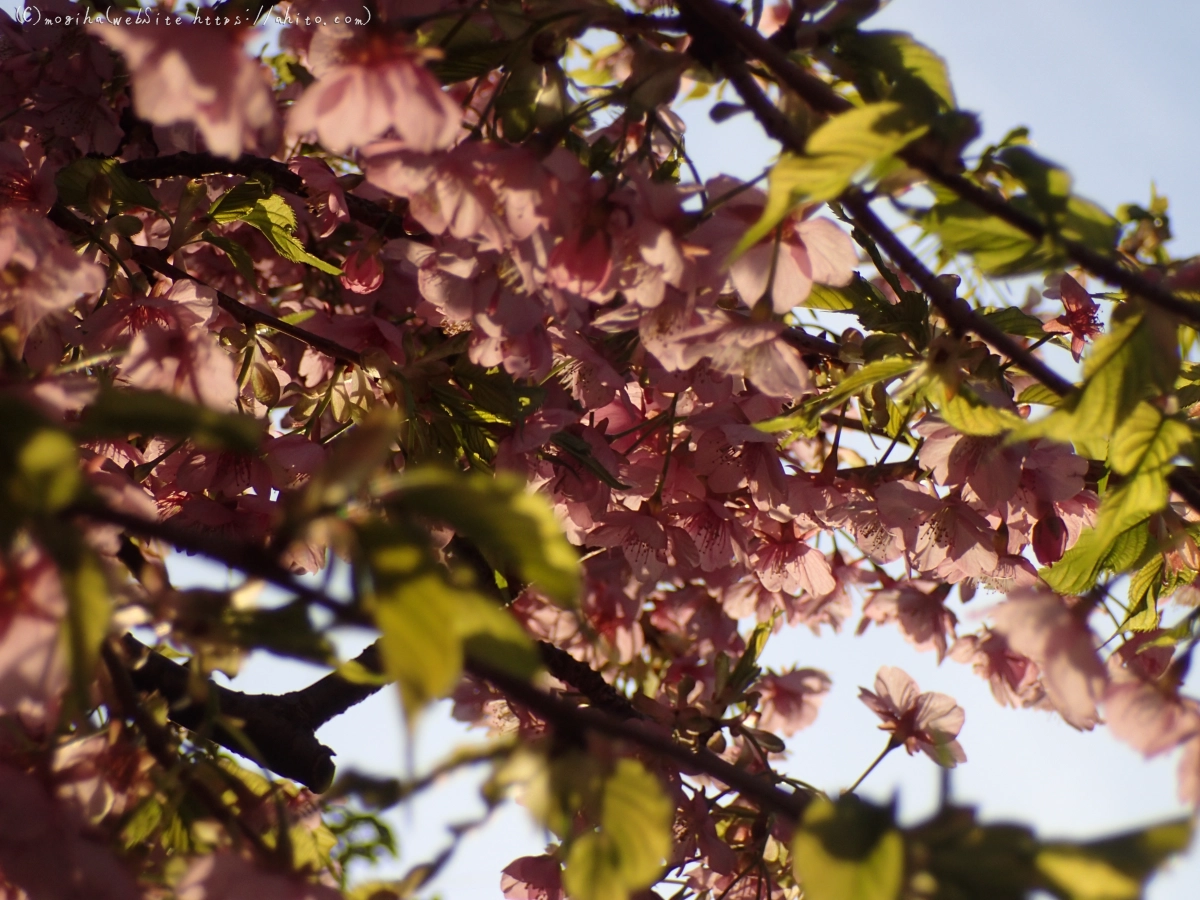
x=693 y=620
x=1142 y=705
x=198 y=74
x=757 y=351
x=33 y=665
x=184 y=304
x=1039 y=625
x=786 y=562
x=810 y=250
x=1012 y=677
x=362 y=272
x=928 y=722
x=367 y=83
x=1080 y=320
x=26 y=180
x=955 y=543
x=324 y=190
x=918 y=608
x=43 y=853
x=532 y=878
x=790 y=700
x=40 y=274
x=189 y=364
x=1149 y=717
x=223 y=876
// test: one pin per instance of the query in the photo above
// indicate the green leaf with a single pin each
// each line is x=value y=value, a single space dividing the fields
x=970 y=414
x=353 y=460
x=593 y=870
x=251 y=202
x=88 y=606
x=513 y=526
x=836 y=152
x=1143 y=596
x=1016 y=321
x=471 y=51
x=969 y=861
x=747 y=669
x=1086 y=223
x=414 y=608
x=633 y=841
x=239 y=256
x=142 y=823
x=871 y=373
x=40 y=467
x=429 y=623
x=836 y=299
x=1039 y=393
x=285 y=631
x=1047 y=184
x=516 y=104
x=999 y=249
x=78 y=181
x=47 y=475
x=119 y=413
x=1002 y=250
x=1146 y=441
x=1114 y=868
x=1144 y=446
x=239 y=202
x=275 y=219
x=1126 y=365
x=848 y=850
x=900 y=58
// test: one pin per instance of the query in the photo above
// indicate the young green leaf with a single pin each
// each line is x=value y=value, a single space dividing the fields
x=119 y=413
x=1114 y=868
x=848 y=851
x=633 y=841
x=836 y=152
x=513 y=526
x=873 y=373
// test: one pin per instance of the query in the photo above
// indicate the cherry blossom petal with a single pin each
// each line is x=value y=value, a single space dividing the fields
x=198 y=74
x=1039 y=625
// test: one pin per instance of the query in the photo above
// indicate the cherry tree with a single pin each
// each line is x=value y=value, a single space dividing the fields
x=435 y=296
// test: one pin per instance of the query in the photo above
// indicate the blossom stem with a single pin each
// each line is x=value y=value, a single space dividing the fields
x=891 y=745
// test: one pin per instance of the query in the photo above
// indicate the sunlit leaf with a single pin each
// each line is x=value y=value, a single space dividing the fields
x=1114 y=868
x=1126 y=365
x=871 y=373
x=513 y=526
x=835 y=153
x=970 y=414
x=848 y=851
x=899 y=56
x=120 y=413
x=633 y=841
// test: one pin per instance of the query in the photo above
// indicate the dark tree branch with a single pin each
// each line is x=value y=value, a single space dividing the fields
x=280 y=728
x=199 y=165
x=150 y=258
x=956 y=312
x=960 y=316
x=568 y=717
x=714 y=22
x=274 y=730
x=153 y=259
x=252 y=560
x=159 y=745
